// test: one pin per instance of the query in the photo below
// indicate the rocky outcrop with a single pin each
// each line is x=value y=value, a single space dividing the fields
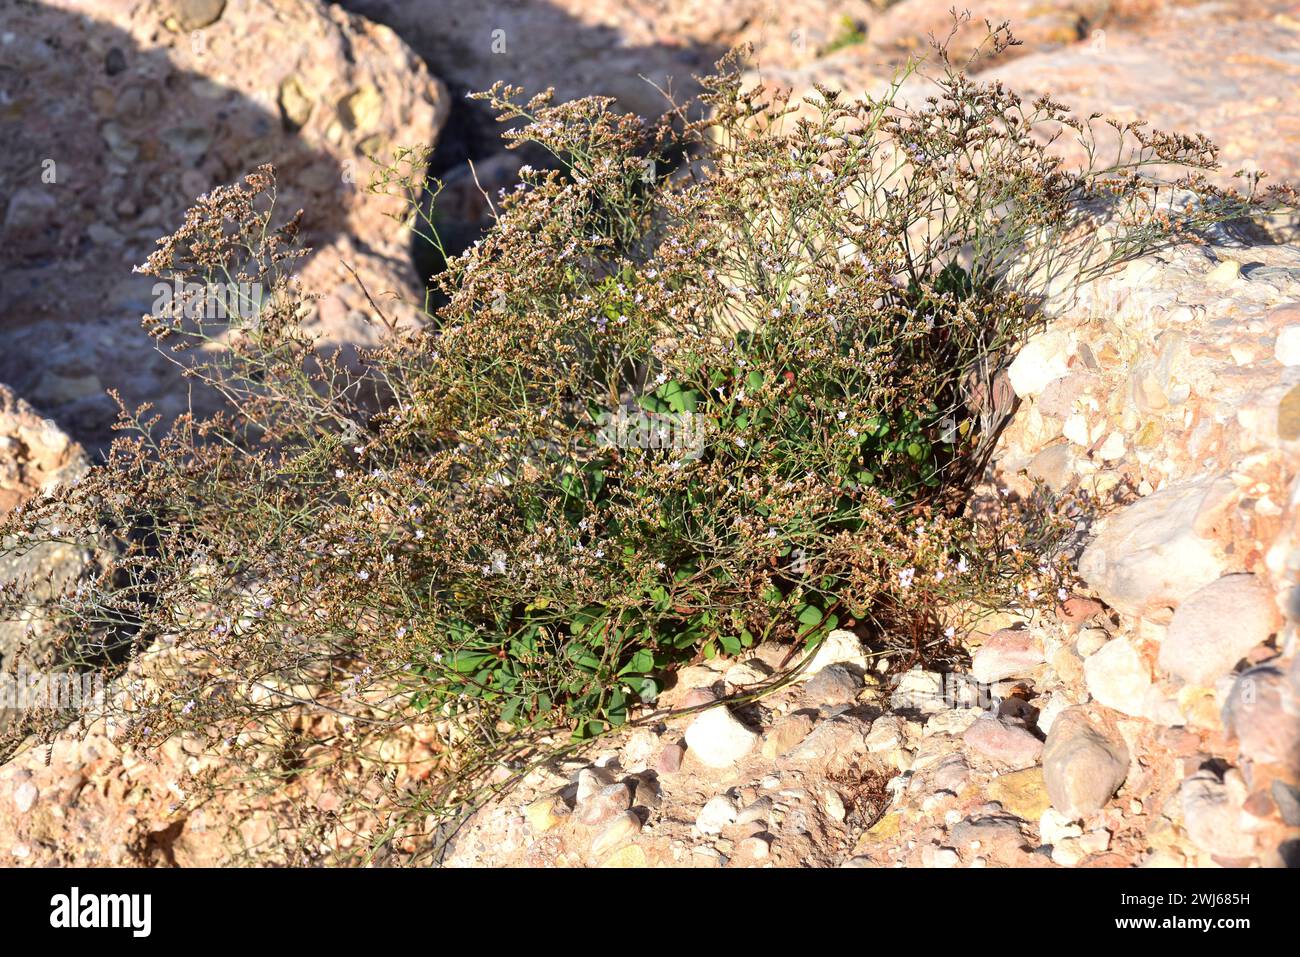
x=907 y=28
x=1169 y=387
x=1156 y=72
x=93 y=797
x=35 y=454
x=126 y=112
x=35 y=458
x=612 y=48
x=1131 y=61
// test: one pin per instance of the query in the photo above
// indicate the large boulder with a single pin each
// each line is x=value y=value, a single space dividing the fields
x=125 y=112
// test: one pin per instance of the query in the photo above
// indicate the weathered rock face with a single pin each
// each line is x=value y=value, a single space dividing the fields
x=126 y=114
x=1138 y=60
x=580 y=49
x=93 y=799
x=1170 y=378
x=1217 y=626
x=1156 y=72
x=907 y=27
x=35 y=457
x=607 y=47
x=35 y=454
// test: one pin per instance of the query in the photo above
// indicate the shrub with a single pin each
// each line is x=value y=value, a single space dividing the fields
x=662 y=413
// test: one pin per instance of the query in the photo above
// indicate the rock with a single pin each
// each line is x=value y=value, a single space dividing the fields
x=1095 y=842
x=604 y=805
x=1006 y=654
x=1054 y=827
x=670 y=758
x=988 y=831
x=35 y=454
x=592 y=780
x=832 y=685
x=921 y=691
x=1068 y=852
x=719 y=812
x=36 y=457
x=1118 y=677
x=197 y=14
x=633 y=855
x=887 y=734
x=1212 y=814
x=1049 y=709
x=622 y=828
x=705 y=856
x=1005 y=744
x=786 y=734
x=25 y=796
x=745 y=674
x=1286 y=349
x=1262 y=711
x=1287 y=799
x=585 y=48
x=1216 y=626
x=950 y=774
x=834 y=742
x=546 y=812
x=1091 y=641
x=1022 y=793
x=1149 y=557
x=1157 y=74
x=932 y=856
x=648 y=794
x=1076 y=610
x=953 y=721
x=759 y=810
x=1082 y=768
x=98 y=803
x=718 y=739
x=640 y=750
x=907 y=27
x=756 y=847
x=1043 y=359
x=833 y=805
x=840 y=647
x=183 y=110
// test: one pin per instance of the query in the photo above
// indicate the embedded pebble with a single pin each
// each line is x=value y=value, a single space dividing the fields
x=718 y=738
x=716 y=814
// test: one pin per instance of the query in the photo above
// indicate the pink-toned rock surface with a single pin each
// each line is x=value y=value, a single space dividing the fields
x=1248 y=103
